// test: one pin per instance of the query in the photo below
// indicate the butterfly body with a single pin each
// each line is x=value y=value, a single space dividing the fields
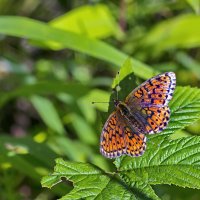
x=144 y=111
x=130 y=116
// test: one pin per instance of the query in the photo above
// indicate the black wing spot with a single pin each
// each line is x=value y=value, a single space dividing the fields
x=150 y=83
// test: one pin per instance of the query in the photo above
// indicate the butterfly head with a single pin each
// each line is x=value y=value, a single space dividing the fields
x=116 y=102
x=121 y=106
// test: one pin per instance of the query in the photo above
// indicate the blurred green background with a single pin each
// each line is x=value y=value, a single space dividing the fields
x=47 y=86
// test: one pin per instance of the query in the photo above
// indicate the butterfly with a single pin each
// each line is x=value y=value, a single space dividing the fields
x=144 y=111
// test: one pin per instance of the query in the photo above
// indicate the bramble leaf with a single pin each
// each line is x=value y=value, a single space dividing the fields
x=89 y=182
x=172 y=162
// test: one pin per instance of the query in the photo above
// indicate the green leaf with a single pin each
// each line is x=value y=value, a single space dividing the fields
x=194 y=128
x=24 y=153
x=74 y=89
x=189 y=63
x=48 y=113
x=95 y=21
x=172 y=162
x=36 y=30
x=195 y=4
x=125 y=70
x=33 y=149
x=83 y=129
x=161 y=37
x=68 y=147
x=89 y=182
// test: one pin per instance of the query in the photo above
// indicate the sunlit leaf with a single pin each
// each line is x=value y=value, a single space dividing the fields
x=173 y=33
x=82 y=128
x=125 y=70
x=94 y=21
x=36 y=30
x=48 y=113
x=195 y=4
x=189 y=63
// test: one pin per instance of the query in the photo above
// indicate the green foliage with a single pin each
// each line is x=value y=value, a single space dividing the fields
x=48 y=113
x=42 y=32
x=165 y=161
x=177 y=36
x=95 y=21
x=89 y=181
x=195 y=5
x=73 y=89
x=62 y=57
x=170 y=162
x=25 y=155
x=189 y=63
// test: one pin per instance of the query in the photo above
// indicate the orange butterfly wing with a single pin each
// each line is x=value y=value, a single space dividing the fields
x=117 y=138
x=149 y=102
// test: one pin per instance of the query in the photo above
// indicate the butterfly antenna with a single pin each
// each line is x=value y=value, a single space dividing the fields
x=117 y=87
x=93 y=102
